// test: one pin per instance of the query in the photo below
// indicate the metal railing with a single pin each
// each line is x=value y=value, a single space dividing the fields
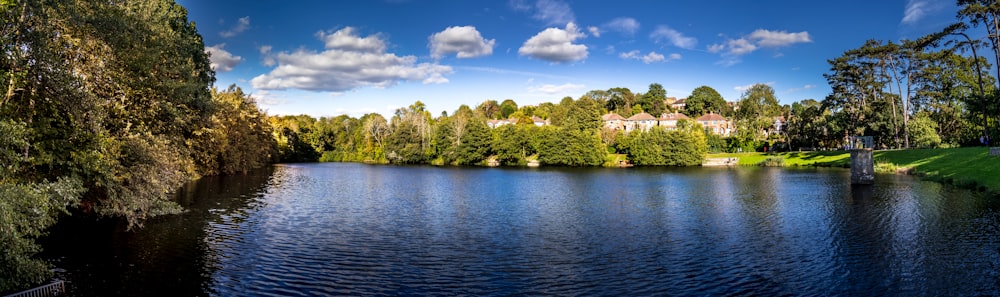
x=57 y=288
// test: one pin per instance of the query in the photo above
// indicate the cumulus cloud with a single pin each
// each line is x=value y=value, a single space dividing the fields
x=556 y=89
x=464 y=41
x=651 y=57
x=716 y=48
x=732 y=49
x=740 y=46
x=241 y=25
x=664 y=34
x=266 y=57
x=624 y=25
x=348 y=61
x=767 y=38
x=594 y=31
x=556 y=45
x=222 y=60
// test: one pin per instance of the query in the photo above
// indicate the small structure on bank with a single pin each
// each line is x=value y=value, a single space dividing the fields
x=862 y=161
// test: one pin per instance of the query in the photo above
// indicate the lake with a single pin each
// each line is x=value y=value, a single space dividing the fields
x=355 y=229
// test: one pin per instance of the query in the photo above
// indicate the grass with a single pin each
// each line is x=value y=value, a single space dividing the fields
x=820 y=159
x=970 y=167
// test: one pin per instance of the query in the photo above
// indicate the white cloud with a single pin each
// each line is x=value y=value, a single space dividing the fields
x=553 y=12
x=731 y=49
x=715 y=48
x=596 y=32
x=266 y=56
x=347 y=40
x=666 y=34
x=799 y=89
x=767 y=38
x=349 y=61
x=918 y=9
x=265 y=97
x=242 y=25
x=519 y=5
x=554 y=89
x=747 y=87
x=464 y=41
x=651 y=57
x=623 y=25
x=222 y=60
x=740 y=47
x=556 y=45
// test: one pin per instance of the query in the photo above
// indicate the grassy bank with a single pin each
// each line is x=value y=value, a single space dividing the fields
x=964 y=167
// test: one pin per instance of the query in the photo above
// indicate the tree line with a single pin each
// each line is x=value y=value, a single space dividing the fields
x=573 y=136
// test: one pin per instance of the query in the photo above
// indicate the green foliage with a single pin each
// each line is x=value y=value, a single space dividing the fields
x=507 y=107
x=476 y=143
x=292 y=135
x=716 y=143
x=923 y=131
x=705 y=99
x=569 y=147
x=654 y=100
x=658 y=147
x=26 y=210
x=773 y=161
x=512 y=144
x=237 y=139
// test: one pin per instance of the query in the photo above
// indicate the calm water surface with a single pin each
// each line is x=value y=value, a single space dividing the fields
x=355 y=229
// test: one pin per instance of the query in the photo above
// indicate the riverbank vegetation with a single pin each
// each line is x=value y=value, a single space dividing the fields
x=969 y=167
x=106 y=109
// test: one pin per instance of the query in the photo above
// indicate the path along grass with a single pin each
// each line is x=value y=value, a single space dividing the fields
x=970 y=167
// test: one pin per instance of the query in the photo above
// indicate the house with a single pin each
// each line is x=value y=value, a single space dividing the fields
x=641 y=121
x=497 y=123
x=669 y=120
x=779 y=123
x=679 y=104
x=613 y=121
x=539 y=121
x=716 y=124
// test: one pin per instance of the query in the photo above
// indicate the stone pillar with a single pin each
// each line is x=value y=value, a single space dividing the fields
x=994 y=151
x=862 y=166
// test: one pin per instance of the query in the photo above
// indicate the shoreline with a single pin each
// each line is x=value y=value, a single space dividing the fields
x=970 y=168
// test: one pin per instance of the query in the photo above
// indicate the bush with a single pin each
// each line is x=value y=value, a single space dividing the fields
x=773 y=161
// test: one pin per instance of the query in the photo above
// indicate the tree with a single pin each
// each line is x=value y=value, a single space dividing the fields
x=476 y=143
x=654 y=100
x=512 y=144
x=620 y=101
x=507 y=107
x=705 y=99
x=658 y=147
x=757 y=108
x=238 y=137
x=410 y=139
x=924 y=131
x=569 y=147
x=489 y=109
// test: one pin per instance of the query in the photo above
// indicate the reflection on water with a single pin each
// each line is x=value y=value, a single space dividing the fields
x=354 y=229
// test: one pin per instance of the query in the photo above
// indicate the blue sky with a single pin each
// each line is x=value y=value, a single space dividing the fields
x=326 y=58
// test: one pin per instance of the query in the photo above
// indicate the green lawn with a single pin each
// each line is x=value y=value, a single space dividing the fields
x=965 y=167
